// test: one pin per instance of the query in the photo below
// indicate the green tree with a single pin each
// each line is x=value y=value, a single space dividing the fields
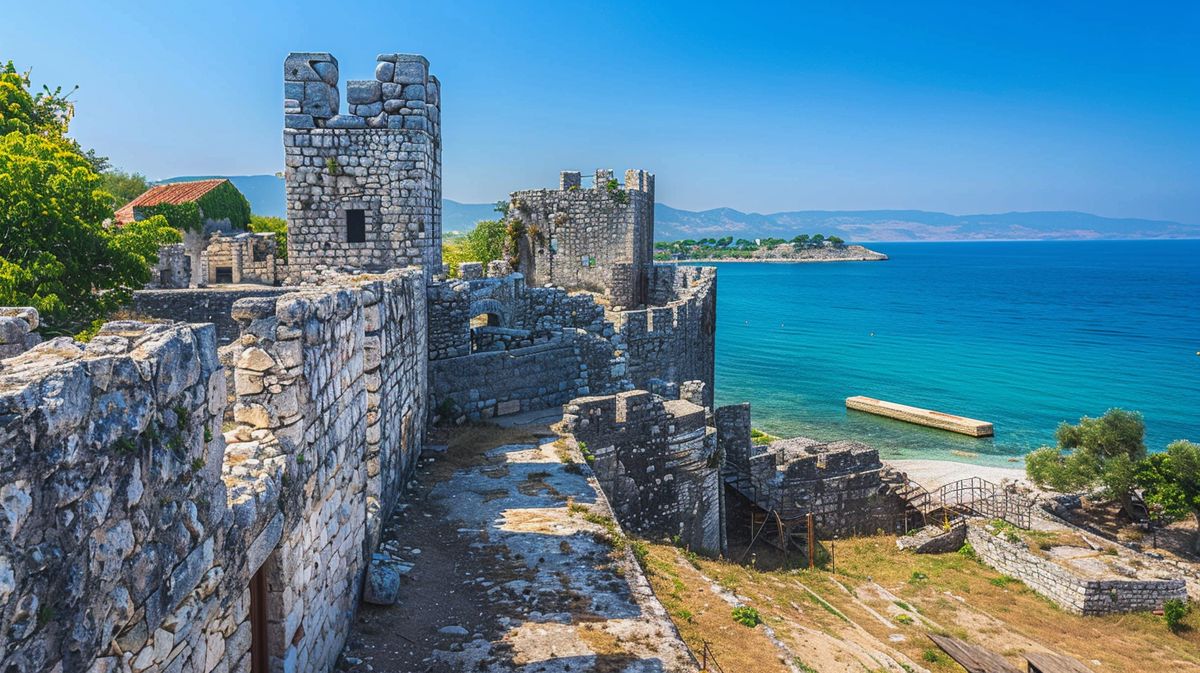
x=836 y=241
x=818 y=240
x=1099 y=452
x=55 y=252
x=483 y=244
x=1172 y=482
x=123 y=186
x=800 y=241
x=265 y=224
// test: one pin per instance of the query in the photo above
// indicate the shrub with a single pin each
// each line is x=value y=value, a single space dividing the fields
x=747 y=616
x=967 y=551
x=1174 y=610
x=904 y=619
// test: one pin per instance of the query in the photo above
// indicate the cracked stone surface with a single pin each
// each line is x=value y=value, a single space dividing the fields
x=509 y=577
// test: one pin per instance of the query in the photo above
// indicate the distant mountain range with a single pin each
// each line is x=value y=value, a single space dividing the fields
x=266 y=196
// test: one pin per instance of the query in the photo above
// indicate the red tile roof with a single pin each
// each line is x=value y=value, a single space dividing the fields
x=174 y=193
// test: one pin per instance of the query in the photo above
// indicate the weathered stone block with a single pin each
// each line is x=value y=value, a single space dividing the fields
x=363 y=92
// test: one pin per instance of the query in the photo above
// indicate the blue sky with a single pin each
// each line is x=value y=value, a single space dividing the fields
x=956 y=106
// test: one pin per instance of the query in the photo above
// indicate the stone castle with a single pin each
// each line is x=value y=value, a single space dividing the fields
x=202 y=490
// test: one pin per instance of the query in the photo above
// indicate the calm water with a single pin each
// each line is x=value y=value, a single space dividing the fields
x=1024 y=335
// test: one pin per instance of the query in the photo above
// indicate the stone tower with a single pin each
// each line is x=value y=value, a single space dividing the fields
x=364 y=187
x=599 y=239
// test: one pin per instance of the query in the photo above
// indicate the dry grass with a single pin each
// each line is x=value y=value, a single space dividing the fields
x=815 y=611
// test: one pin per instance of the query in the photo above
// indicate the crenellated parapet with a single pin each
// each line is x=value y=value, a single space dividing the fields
x=364 y=184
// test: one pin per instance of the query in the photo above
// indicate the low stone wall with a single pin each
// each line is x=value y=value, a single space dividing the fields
x=497 y=383
x=1079 y=595
x=674 y=340
x=658 y=464
x=199 y=305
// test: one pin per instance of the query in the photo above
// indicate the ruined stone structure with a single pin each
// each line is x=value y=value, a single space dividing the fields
x=196 y=496
x=839 y=483
x=364 y=188
x=673 y=339
x=240 y=258
x=1074 y=593
x=658 y=462
x=599 y=239
x=537 y=347
x=195 y=239
x=173 y=270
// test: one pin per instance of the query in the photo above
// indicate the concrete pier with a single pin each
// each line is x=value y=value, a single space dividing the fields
x=926 y=417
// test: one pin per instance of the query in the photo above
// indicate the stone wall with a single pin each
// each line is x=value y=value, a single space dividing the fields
x=172 y=270
x=198 y=305
x=135 y=525
x=1071 y=592
x=840 y=483
x=113 y=505
x=658 y=462
x=597 y=239
x=673 y=340
x=377 y=166
x=571 y=363
x=248 y=258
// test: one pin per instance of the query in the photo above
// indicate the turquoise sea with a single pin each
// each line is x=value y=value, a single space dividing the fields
x=1022 y=334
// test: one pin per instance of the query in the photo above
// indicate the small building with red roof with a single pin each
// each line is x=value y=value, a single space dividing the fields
x=200 y=209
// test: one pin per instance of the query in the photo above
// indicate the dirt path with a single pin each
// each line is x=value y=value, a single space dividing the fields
x=514 y=569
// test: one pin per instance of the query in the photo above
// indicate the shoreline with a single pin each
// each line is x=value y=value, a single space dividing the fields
x=770 y=260
x=933 y=474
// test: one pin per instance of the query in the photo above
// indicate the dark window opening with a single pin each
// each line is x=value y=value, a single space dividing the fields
x=260 y=253
x=224 y=274
x=166 y=278
x=356 y=226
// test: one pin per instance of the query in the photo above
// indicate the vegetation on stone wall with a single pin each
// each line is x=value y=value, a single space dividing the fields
x=223 y=203
x=181 y=216
x=727 y=247
x=265 y=224
x=226 y=203
x=56 y=254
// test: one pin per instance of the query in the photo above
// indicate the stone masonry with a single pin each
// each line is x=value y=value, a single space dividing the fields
x=364 y=188
x=599 y=239
x=658 y=462
x=838 y=482
x=1074 y=593
x=134 y=525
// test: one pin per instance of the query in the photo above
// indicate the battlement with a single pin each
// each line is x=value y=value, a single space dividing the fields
x=635 y=180
x=403 y=94
x=364 y=185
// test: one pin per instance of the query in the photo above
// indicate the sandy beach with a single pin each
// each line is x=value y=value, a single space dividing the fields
x=933 y=474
